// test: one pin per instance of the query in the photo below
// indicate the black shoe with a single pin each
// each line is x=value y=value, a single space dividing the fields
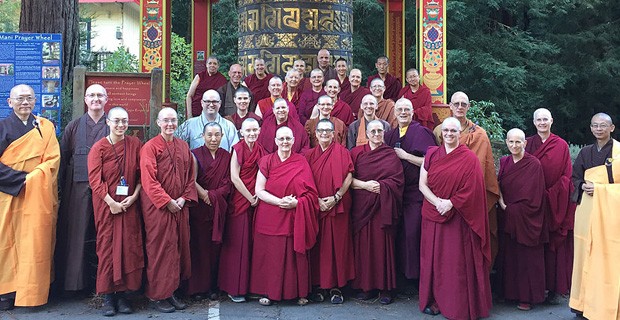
x=162 y=306
x=7 y=304
x=123 y=304
x=108 y=305
x=176 y=303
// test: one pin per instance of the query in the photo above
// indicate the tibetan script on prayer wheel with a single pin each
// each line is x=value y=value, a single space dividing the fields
x=281 y=32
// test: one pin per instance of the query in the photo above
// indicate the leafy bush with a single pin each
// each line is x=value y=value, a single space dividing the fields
x=574 y=150
x=483 y=114
x=121 y=61
x=180 y=72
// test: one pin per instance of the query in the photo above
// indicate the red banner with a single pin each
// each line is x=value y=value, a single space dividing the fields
x=432 y=56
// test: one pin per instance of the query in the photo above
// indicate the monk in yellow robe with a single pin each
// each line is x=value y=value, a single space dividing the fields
x=29 y=161
x=595 y=291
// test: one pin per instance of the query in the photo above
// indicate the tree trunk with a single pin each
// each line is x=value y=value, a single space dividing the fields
x=55 y=16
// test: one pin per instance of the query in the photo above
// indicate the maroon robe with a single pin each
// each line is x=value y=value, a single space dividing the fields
x=268 y=134
x=522 y=250
x=455 y=251
x=258 y=87
x=343 y=112
x=266 y=108
x=238 y=121
x=206 y=222
x=422 y=104
x=345 y=84
x=166 y=172
x=332 y=256
x=555 y=159
x=354 y=99
x=305 y=84
x=207 y=82
x=392 y=85
x=119 y=236
x=375 y=217
x=307 y=101
x=234 y=277
x=296 y=94
x=280 y=264
x=415 y=141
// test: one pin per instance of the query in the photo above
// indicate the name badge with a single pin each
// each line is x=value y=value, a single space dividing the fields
x=122 y=190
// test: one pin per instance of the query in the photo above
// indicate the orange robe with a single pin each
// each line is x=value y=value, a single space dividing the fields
x=340 y=131
x=385 y=111
x=28 y=220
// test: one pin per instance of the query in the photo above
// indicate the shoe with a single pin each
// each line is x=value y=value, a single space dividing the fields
x=364 y=295
x=7 y=304
x=302 y=301
x=162 y=306
x=123 y=304
x=336 y=296
x=554 y=298
x=317 y=296
x=237 y=299
x=386 y=300
x=432 y=310
x=524 y=306
x=264 y=301
x=108 y=309
x=178 y=305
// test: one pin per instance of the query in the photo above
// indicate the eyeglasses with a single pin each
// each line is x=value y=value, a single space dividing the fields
x=97 y=95
x=599 y=126
x=401 y=110
x=460 y=104
x=30 y=99
x=324 y=131
x=171 y=121
x=208 y=102
x=376 y=132
x=119 y=121
x=282 y=139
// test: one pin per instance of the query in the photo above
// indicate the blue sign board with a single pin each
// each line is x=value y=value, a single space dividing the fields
x=34 y=59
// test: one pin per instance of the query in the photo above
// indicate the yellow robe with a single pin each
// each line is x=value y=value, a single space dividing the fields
x=595 y=288
x=28 y=221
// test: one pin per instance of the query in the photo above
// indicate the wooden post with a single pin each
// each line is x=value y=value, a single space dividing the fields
x=201 y=34
x=156 y=101
x=79 y=88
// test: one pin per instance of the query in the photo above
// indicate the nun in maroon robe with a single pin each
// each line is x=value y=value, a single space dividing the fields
x=353 y=96
x=377 y=192
x=392 y=85
x=422 y=104
x=307 y=101
x=258 y=87
x=119 y=234
x=410 y=148
x=234 y=275
x=167 y=175
x=555 y=159
x=522 y=188
x=278 y=119
x=285 y=224
x=332 y=256
x=455 y=251
x=207 y=219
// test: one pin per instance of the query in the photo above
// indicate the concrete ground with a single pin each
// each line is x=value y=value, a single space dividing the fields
x=403 y=308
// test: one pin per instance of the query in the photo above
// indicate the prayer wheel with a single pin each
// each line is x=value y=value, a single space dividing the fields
x=281 y=32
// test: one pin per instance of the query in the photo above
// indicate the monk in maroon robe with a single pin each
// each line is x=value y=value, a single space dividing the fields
x=304 y=82
x=208 y=79
x=167 y=175
x=332 y=256
x=354 y=95
x=291 y=90
x=206 y=220
x=341 y=72
x=554 y=156
x=377 y=201
x=112 y=162
x=242 y=99
x=521 y=183
x=392 y=83
x=341 y=109
x=410 y=141
x=285 y=224
x=279 y=119
x=308 y=98
x=234 y=277
x=420 y=97
x=455 y=252
x=265 y=106
x=258 y=81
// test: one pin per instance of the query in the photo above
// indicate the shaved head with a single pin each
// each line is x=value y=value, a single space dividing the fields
x=603 y=116
x=516 y=133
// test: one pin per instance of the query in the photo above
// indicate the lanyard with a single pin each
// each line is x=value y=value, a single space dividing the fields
x=117 y=160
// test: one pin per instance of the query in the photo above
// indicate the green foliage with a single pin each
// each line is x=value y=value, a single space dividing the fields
x=574 y=150
x=180 y=72
x=368 y=35
x=483 y=114
x=224 y=33
x=121 y=60
x=9 y=15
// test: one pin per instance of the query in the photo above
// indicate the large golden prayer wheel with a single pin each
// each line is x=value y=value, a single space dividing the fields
x=281 y=32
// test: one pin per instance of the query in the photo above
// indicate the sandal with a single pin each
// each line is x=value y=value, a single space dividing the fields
x=302 y=302
x=524 y=306
x=317 y=296
x=264 y=301
x=432 y=310
x=336 y=296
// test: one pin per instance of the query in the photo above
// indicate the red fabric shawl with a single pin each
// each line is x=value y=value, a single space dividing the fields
x=354 y=99
x=306 y=103
x=289 y=177
x=343 y=112
x=248 y=161
x=422 y=104
x=522 y=186
x=266 y=107
x=268 y=134
x=383 y=166
x=258 y=87
x=330 y=168
x=457 y=176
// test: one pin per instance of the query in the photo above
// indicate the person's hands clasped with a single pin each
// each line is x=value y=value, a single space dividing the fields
x=443 y=206
x=373 y=186
x=288 y=202
x=327 y=203
x=588 y=187
x=116 y=207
